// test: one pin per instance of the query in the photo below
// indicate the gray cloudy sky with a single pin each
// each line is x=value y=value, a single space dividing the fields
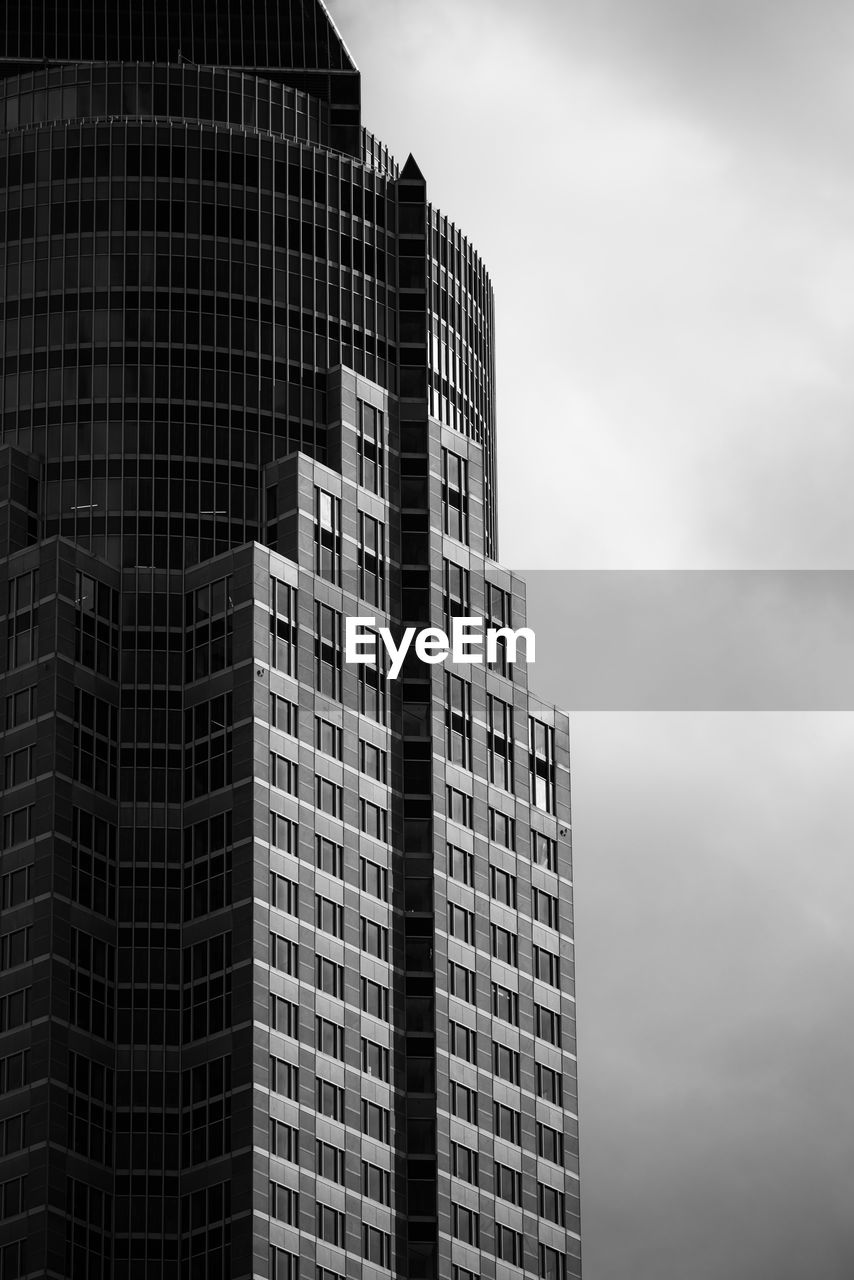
x=663 y=193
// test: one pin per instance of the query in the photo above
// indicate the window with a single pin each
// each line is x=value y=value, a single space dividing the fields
x=284 y=834
x=375 y=1121
x=18 y=826
x=505 y=1004
x=18 y=767
x=457 y=596
x=90 y=1099
x=14 y=948
x=545 y=908
x=459 y=807
x=330 y=1100
x=91 y=986
x=546 y=967
x=283 y=1265
x=95 y=751
x=463 y=1102
x=284 y=894
x=284 y=1078
x=547 y=1024
x=498 y=610
x=376 y=1246
x=549 y=1084
x=542 y=765
x=461 y=923
x=550 y=1144
x=12 y=1202
x=93 y=866
x=284 y=955
x=373 y=820
x=507 y=1123
x=374 y=939
x=375 y=1059
x=503 y=886
x=552 y=1264
x=455 y=496
x=15 y=887
x=370 y=449
x=499 y=742
x=376 y=1183
x=460 y=864
x=508 y=1244
x=330 y=1162
x=207 y=746
x=374 y=879
x=327 y=738
x=508 y=1183
x=283 y=774
x=461 y=982
x=14 y=1009
x=209 y=623
x=465 y=1224
x=327 y=536
x=458 y=723
x=543 y=851
x=13 y=1134
x=374 y=999
x=330 y=977
x=284 y=1016
x=464 y=1163
x=283 y=715
x=502 y=830
x=283 y=626
x=284 y=1204
x=551 y=1204
x=372 y=761
x=329 y=1038
x=505 y=945
x=96 y=625
x=371 y=560
x=329 y=797
x=22 y=627
x=462 y=1042
x=505 y=1063
x=327 y=651
x=329 y=916
x=330 y=857
x=373 y=689
x=21 y=707
x=14 y=1071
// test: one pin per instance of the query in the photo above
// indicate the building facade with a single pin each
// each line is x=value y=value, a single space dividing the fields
x=286 y=962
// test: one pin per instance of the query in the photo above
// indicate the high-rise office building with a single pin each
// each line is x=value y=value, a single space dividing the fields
x=286 y=966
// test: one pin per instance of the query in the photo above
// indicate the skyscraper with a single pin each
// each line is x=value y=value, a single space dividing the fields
x=286 y=966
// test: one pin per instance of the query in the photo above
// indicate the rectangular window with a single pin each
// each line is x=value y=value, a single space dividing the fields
x=542 y=764
x=499 y=742
x=284 y=894
x=551 y=1204
x=371 y=560
x=14 y=948
x=373 y=689
x=283 y=627
x=462 y=1042
x=18 y=826
x=327 y=536
x=546 y=967
x=455 y=496
x=14 y=1071
x=502 y=829
x=505 y=945
x=18 y=767
x=22 y=627
x=463 y=1102
x=502 y=886
x=376 y=1246
x=330 y=1100
x=284 y=955
x=549 y=1084
x=460 y=864
x=374 y=879
x=329 y=797
x=552 y=1264
x=374 y=939
x=330 y=857
x=465 y=1225
x=547 y=1024
x=459 y=807
x=284 y=1016
x=506 y=1123
x=327 y=738
x=375 y=1121
x=461 y=982
x=505 y=1063
x=283 y=1265
x=329 y=1038
x=329 y=1162
x=373 y=820
x=284 y=1141
x=508 y=1245
x=505 y=1004
x=374 y=999
x=284 y=1204
x=461 y=923
x=464 y=1163
x=329 y=916
x=284 y=1078
x=376 y=1183
x=327 y=651
x=330 y=977
x=370 y=448
x=13 y=1134
x=543 y=851
x=375 y=1059
x=550 y=1144
x=96 y=625
x=457 y=594
x=372 y=761
x=284 y=715
x=498 y=611
x=458 y=721
x=21 y=707
x=508 y=1183
x=283 y=774
x=14 y=1009
x=15 y=887
x=284 y=833
x=545 y=908
x=330 y=1225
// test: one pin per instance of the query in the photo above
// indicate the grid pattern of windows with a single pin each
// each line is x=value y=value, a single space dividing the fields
x=90 y=1108
x=95 y=745
x=209 y=630
x=96 y=625
x=22 y=623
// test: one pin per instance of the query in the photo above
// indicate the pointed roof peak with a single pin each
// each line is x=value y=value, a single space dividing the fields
x=410 y=171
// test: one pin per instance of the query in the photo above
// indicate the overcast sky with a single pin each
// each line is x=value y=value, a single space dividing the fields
x=663 y=194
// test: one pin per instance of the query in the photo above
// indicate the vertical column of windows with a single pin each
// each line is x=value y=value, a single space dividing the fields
x=455 y=506
x=327 y=536
x=283 y=626
x=22 y=621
